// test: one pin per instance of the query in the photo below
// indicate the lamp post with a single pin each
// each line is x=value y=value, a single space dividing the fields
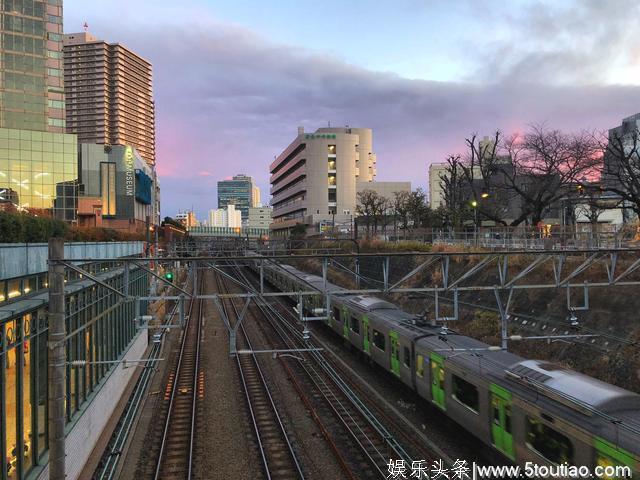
x=474 y=204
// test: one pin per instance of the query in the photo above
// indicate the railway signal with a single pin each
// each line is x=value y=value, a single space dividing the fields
x=169 y=276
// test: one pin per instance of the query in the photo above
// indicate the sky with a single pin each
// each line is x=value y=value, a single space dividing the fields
x=234 y=79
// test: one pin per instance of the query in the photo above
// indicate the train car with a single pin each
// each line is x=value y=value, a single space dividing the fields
x=527 y=410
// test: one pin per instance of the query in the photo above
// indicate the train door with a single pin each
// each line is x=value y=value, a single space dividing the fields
x=607 y=455
x=501 y=434
x=437 y=380
x=366 y=345
x=395 y=353
x=345 y=323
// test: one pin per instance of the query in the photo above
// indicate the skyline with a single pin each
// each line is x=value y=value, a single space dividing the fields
x=232 y=82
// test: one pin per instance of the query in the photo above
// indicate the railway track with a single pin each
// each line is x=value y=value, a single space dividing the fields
x=363 y=445
x=113 y=455
x=277 y=454
x=175 y=459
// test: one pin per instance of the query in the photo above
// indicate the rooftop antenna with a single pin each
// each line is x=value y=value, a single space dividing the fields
x=85 y=26
x=328 y=123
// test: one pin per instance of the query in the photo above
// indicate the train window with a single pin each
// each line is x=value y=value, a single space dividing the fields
x=378 y=340
x=355 y=325
x=549 y=443
x=507 y=418
x=466 y=393
x=336 y=313
x=420 y=366
x=407 y=357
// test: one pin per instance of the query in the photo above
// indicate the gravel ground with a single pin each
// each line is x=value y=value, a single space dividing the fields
x=314 y=454
x=224 y=439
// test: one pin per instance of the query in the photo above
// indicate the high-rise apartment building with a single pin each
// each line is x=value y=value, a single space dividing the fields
x=239 y=191
x=109 y=94
x=227 y=217
x=38 y=161
x=317 y=176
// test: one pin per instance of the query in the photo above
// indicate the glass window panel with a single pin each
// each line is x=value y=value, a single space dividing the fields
x=11 y=393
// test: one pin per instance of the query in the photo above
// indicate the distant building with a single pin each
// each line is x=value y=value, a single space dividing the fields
x=385 y=189
x=187 y=219
x=315 y=178
x=255 y=197
x=240 y=191
x=225 y=217
x=259 y=217
x=436 y=193
x=109 y=94
x=116 y=188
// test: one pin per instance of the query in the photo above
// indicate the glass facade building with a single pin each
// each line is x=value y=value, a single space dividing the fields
x=238 y=191
x=31 y=65
x=38 y=161
x=23 y=356
x=39 y=171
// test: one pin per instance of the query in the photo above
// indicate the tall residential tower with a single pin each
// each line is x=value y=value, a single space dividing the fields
x=109 y=94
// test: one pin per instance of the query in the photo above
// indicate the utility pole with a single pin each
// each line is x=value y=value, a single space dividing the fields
x=57 y=360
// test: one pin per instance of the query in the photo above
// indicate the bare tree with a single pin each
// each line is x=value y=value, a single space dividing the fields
x=543 y=166
x=621 y=172
x=371 y=206
x=453 y=184
x=482 y=169
x=401 y=210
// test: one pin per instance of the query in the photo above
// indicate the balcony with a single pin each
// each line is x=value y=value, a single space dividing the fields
x=289 y=192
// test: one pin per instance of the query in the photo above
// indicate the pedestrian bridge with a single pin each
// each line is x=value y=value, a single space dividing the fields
x=242 y=232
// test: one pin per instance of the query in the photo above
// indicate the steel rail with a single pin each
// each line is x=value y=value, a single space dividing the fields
x=175 y=387
x=315 y=377
x=265 y=388
x=129 y=416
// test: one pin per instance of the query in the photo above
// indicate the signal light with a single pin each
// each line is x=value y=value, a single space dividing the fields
x=169 y=276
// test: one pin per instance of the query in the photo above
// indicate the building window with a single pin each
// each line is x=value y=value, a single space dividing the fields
x=331 y=163
x=333 y=197
x=108 y=188
x=549 y=443
x=379 y=340
x=466 y=393
x=332 y=179
x=332 y=149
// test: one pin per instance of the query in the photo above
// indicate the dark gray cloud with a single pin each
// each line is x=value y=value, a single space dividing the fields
x=228 y=101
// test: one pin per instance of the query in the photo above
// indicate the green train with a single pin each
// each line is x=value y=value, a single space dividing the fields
x=531 y=412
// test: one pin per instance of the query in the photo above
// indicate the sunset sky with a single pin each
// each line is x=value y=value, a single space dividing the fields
x=233 y=79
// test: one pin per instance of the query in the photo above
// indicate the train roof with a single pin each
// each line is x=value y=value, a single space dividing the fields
x=370 y=304
x=574 y=389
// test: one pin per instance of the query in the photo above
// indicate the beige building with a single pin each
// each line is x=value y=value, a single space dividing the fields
x=109 y=94
x=436 y=195
x=255 y=197
x=259 y=217
x=187 y=219
x=315 y=178
x=385 y=189
x=225 y=217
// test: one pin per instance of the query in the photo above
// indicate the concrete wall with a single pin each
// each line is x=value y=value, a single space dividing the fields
x=84 y=434
x=20 y=259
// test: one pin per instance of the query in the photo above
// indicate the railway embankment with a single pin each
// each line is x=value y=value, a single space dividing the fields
x=613 y=356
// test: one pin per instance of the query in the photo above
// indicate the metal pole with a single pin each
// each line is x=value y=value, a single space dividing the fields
x=57 y=360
